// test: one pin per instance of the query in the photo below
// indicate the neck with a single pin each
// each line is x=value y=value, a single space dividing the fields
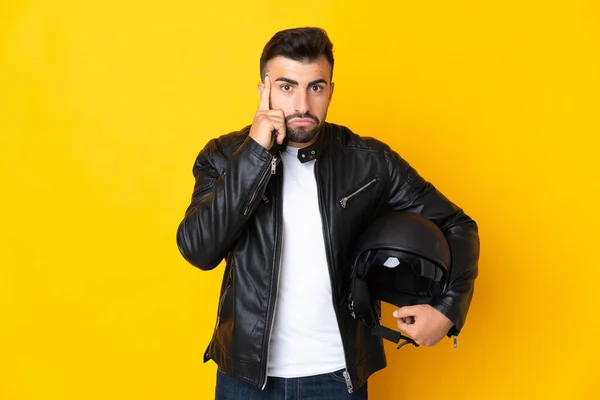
x=303 y=145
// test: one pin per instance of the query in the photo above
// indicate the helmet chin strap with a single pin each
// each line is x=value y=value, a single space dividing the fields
x=407 y=341
x=362 y=310
x=392 y=335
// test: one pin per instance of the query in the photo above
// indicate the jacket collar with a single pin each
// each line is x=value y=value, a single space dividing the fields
x=314 y=150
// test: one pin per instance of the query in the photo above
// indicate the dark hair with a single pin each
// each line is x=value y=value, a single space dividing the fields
x=300 y=44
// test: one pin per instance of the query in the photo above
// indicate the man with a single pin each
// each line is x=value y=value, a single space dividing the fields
x=282 y=201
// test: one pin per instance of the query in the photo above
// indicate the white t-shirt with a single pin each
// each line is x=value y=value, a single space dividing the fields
x=305 y=339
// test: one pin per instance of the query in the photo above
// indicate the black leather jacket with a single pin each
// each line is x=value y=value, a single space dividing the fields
x=236 y=215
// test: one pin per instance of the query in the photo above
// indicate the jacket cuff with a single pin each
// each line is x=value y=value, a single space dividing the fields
x=446 y=309
x=255 y=148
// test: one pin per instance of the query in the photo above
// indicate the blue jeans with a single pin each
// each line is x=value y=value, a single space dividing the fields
x=330 y=386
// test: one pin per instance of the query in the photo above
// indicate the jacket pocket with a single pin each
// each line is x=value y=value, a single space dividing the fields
x=221 y=304
x=254 y=193
x=223 y=296
x=343 y=202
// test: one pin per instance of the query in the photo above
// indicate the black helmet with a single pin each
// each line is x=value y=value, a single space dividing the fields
x=402 y=258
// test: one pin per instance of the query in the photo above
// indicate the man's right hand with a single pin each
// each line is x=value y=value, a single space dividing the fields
x=268 y=125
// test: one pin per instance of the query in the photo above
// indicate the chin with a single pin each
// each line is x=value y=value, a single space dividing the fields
x=302 y=135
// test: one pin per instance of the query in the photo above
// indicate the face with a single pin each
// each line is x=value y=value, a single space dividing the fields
x=302 y=90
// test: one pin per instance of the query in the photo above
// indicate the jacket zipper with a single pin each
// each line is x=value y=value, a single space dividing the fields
x=277 y=268
x=348 y=381
x=264 y=176
x=344 y=200
x=272 y=324
x=346 y=374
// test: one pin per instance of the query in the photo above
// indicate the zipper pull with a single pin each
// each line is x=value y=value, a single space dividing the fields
x=455 y=337
x=343 y=202
x=351 y=307
x=273 y=165
x=348 y=382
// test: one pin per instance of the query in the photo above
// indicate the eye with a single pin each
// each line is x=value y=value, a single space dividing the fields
x=316 y=88
x=286 y=88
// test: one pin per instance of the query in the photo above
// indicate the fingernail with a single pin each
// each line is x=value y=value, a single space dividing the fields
x=396 y=314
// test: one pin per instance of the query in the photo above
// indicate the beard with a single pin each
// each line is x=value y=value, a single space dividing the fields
x=302 y=134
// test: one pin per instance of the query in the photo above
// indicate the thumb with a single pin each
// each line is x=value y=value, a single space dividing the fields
x=404 y=312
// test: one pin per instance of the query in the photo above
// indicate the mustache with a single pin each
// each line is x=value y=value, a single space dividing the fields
x=305 y=115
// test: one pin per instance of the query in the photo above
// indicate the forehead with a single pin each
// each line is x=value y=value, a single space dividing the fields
x=281 y=67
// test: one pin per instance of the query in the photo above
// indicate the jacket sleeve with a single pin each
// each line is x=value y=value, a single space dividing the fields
x=225 y=195
x=410 y=192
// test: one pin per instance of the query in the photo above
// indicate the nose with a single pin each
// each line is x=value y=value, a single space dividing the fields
x=301 y=105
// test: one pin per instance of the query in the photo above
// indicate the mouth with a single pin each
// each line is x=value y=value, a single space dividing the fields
x=301 y=122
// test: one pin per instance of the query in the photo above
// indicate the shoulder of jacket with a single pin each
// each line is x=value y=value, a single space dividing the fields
x=226 y=144
x=347 y=139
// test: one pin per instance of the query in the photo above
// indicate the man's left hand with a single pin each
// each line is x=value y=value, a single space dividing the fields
x=423 y=324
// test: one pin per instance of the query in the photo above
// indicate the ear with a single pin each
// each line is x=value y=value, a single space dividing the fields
x=331 y=91
x=260 y=88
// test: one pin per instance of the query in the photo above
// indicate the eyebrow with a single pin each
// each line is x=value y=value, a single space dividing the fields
x=293 y=82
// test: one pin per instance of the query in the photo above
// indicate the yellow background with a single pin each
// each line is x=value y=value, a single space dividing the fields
x=105 y=104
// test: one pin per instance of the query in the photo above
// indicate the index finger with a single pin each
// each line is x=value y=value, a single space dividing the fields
x=265 y=95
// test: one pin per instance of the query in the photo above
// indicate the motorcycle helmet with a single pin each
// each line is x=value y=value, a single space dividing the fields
x=402 y=258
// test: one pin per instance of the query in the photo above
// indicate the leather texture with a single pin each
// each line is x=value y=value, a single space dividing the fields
x=236 y=214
